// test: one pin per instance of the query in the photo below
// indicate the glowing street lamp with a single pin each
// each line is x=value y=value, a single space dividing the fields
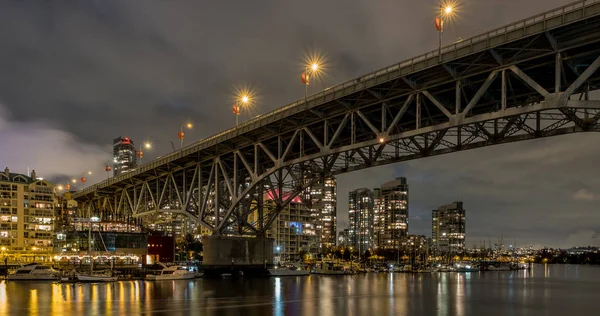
x=311 y=69
x=146 y=145
x=181 y=134
x=446 y=11
x=243 y=99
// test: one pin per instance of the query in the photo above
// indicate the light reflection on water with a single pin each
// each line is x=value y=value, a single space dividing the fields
x=544 y=290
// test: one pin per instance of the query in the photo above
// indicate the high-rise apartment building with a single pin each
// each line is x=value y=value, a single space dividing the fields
x=360 y=218
x=390 y=217
x=448 y=228
x=124 y=158
x=322 y=202
x=294 y=230
x=26 y=214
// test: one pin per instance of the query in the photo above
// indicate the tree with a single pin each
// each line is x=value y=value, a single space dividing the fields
x=189 y=248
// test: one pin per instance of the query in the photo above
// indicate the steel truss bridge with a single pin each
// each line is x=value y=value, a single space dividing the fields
x=525 y=80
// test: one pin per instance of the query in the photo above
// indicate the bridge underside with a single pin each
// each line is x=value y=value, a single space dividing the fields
x=537 y=85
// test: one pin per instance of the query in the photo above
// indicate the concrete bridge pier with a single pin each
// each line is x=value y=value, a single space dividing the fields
x=252 y=256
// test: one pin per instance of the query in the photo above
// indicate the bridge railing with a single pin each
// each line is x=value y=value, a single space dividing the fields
x=428 y=59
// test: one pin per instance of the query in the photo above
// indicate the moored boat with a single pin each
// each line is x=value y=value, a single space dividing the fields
x=34 y=272
x=97 y=277
x=288 y=271
x=330 y=268
x=172 y=273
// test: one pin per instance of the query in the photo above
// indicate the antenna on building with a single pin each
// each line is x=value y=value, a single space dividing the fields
x=28 y=174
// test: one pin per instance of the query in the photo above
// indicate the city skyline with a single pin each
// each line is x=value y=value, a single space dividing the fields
x=518 y=190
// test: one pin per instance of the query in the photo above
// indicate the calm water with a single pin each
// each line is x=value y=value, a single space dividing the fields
x=546 y=290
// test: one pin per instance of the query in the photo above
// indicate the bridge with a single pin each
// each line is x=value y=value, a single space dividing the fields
x=522 y=81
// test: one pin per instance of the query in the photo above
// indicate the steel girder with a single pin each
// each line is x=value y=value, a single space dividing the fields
x=537 y=86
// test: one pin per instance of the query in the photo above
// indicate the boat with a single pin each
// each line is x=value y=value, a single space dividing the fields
x=172 y=273
x=92 y=276
x=106 y=276
x=499 y=267
x=288 y=271
x=444 y=268
x=330 y=268
x=34 y=272
x=466 y=268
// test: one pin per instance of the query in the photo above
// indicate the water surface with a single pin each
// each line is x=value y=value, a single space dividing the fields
x=545 y=290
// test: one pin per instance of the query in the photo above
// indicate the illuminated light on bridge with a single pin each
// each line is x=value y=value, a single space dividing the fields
x=526 y=80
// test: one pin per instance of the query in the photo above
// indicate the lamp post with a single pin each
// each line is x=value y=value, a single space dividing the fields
x=181 y=134
x=107 y=169
x=83 y=180
x=310 y=69
x=148 y=145
x=445 y=11
x=242 y=100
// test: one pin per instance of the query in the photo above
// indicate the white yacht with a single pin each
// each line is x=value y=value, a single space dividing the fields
x=34 y=272
x=172 y=273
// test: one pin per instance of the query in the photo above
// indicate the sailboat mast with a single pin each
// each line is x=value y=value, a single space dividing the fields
x=90 y=249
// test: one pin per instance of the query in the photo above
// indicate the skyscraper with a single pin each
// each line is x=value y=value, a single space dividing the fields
x=322 y=201
x=124 y=159
x=391 y=213
x=360 y=217
x=448 y=228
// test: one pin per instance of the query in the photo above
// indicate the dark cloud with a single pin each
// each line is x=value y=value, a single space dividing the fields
x=75 y=74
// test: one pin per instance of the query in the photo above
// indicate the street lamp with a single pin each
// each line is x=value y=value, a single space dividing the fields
x=83 y=180
x=243 y=99
x=446 y=11
x=181 y=134
x=311 y=69
x=107 y=169
x=148 y=145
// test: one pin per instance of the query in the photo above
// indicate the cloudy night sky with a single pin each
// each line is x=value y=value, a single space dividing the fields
x=76 y=74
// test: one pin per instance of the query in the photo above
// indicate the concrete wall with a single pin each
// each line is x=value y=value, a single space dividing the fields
x=220 y=250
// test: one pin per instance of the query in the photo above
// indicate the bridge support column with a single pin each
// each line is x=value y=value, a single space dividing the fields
x=234 y=254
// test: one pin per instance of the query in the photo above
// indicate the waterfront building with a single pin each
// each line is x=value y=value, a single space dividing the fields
x=360 y=218
x=448 y=228
x=72 y=247
x=26 y=215
x=124 y=155
x=294 y=230
x=322 y=202
x=390 y=214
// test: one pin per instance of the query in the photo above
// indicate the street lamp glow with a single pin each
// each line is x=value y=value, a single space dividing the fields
x=148 y=145
x=60 y=188
x=189 y=125
x=245 y=99
x=314 y=67
x=448 y=10
x=89 y=172
x=74 y=180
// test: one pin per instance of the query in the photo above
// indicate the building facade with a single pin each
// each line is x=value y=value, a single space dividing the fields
x=124 y=155
x=322 y=202
x=361 y=219
x=448 y=228
x=295 y=233
x=390 y=216
x=27 y=206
